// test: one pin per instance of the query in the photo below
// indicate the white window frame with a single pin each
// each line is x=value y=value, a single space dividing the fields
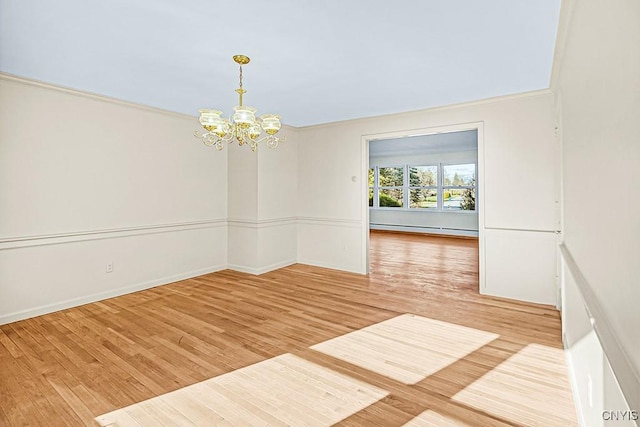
x=377 y=187
x=406 y=188
x=457 y=187
x=429 y=187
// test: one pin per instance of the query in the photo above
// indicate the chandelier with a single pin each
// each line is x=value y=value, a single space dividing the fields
x=242 y=126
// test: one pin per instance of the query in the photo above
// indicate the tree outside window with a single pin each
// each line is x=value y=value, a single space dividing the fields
x=458 y=190
x=372 y=181
x=425 y=186
x=390 y=187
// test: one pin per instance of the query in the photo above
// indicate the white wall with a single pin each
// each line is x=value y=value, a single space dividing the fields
x=597 y=85
x=86 y=181
x=424 y=220
x=278 y=202
x=263 y=206
x=96 y=181
x=112 y=173
x=517 y=197
x=595 y=386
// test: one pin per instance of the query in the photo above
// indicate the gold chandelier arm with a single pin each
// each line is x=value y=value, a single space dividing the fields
x=211 y=139
x=271 y=140
x=242 y=126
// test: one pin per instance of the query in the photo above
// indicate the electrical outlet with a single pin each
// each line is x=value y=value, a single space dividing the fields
x=110 y=267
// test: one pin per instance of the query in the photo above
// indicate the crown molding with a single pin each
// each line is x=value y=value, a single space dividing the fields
x=74 y=92
x=102 y=98
x=69 y=91
x=491 y=100
x=564 y=23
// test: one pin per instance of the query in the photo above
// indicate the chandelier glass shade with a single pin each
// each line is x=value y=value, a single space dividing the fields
x=243 y=126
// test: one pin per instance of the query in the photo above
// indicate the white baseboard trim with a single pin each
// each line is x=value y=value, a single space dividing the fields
x=261 y=270
x=75 y=302
x=427 y=230
x=329 y=266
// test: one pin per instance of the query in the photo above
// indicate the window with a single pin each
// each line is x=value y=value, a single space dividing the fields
x=442 y=187
x=459 y=183
x=391 y=187
x=423 y=187
x=372 y=184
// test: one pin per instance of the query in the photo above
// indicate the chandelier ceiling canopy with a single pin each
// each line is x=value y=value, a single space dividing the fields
x=242 y=126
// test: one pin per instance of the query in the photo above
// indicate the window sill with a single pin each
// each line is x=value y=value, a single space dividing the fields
x=415 y=210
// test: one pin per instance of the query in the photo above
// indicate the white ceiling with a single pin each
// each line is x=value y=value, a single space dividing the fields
x=312 y=61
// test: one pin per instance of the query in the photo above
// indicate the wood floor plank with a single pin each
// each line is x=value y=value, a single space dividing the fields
x=408 y=347
x=284 y=390
x=68 y=367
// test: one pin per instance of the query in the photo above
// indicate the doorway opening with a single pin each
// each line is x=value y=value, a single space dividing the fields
x=426 y=181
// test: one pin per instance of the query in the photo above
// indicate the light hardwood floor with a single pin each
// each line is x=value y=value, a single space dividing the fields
x=67 y=368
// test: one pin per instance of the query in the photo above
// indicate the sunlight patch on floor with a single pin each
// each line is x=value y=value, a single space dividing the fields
x=284 y=390
x=407 y=348
x=530 y=388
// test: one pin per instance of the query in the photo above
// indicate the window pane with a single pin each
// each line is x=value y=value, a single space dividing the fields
x=371 y=177
x=423 y=176
x=370 y=196
x=459 y=174
x=423 y=198
x=459 y=199
x=390 y=197
x=391 y=177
